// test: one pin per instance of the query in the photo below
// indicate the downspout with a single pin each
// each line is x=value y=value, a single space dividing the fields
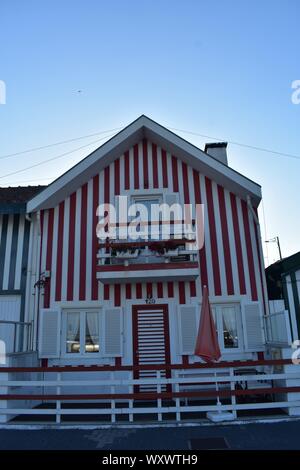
x=36 y=277
x=260 y=255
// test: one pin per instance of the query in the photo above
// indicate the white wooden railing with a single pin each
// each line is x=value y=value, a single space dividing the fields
x=114 y=391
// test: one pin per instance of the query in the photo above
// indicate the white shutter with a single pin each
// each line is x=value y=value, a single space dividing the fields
x=252 y=327
x=112 y=338
x=49 y=333
x=188 y=328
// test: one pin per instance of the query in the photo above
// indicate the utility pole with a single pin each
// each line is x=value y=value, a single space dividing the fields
x=276 y=240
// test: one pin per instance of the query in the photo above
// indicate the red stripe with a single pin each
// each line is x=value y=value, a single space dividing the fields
x=49 y=256
x=181 y=286
x=193 y=289
x=72 y=217
x=160 y=292
x=149 y=289
x=164 y=168
x=225 y=237
x=106 y=185
x=83 y=228
x=128 y=291
x=213 y=237
x=249 y=251
x=145 y=164
x=154 y=166
x=185 y=183
x=202 y=254
x=136 y=166
x=126 y=170
x=94 y=237
x=117 y=295
x=238 y=244
x=170 y=289
x=106 y=292
x=175 y=174
x=60 y=241
x=117 y=176
x=138 y=290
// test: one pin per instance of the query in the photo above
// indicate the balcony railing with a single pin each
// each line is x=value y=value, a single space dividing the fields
x=16 y=335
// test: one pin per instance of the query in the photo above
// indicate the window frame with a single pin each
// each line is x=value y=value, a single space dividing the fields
x=220 y=329
x=82 y=329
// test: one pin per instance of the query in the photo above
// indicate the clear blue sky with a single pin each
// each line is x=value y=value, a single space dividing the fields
x=220 y=68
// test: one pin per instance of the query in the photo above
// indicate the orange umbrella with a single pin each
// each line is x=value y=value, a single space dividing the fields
x=207 y=346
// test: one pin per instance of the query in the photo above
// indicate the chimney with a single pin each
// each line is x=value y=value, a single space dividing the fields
x=218 y=151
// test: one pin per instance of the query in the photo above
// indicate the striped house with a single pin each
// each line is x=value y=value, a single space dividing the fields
x=138 y=302
x=15 y=233
x=283 y=282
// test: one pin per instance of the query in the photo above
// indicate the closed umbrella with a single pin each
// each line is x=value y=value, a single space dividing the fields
x=207 y=347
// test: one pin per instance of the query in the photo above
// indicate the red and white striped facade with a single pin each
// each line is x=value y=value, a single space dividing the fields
x=230 y=263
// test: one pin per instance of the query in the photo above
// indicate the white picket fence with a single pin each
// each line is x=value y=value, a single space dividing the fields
x=190 y=390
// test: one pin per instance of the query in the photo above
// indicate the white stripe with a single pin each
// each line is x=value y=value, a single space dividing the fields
x=54 y=255
x=131 y=170
x=18 y=272
x=65 y=255
x=169 y=172
x=8 y=252
x=233 y=253
x=150 y=165
x=77 y=245
x=141 y=165
x=89 y=241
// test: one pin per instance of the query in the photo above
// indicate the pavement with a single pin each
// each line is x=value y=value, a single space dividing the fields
x=254 y=436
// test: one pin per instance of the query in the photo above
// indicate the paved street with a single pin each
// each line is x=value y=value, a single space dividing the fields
x=283 y=435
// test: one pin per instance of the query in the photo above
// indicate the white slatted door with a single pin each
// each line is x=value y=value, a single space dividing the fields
x=151 y=343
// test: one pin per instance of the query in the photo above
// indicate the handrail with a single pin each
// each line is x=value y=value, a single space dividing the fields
x=157 y=367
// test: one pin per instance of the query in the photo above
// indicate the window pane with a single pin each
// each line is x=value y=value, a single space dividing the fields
x=92 y=332
x=73 y=333
x=230 y=327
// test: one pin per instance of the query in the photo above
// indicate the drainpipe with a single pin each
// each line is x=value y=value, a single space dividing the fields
x=36 y=274
x=260 y=254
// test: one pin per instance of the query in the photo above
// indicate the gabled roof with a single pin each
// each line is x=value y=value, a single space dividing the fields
x=13 y=199
x=143 y=127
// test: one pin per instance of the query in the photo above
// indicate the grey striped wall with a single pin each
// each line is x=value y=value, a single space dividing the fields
x=14 y=244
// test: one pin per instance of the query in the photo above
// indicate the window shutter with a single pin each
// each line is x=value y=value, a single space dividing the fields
x=112 y=332
x=252 y=327
x=49 y=333
x=187 y=328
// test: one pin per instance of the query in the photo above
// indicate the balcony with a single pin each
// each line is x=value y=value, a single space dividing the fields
x=151 y=261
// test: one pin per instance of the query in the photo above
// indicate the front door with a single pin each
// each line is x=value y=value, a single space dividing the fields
x=151 y=341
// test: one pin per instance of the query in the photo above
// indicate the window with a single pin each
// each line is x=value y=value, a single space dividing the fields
x=228 y=325
x=81 y=332
x=147 y=202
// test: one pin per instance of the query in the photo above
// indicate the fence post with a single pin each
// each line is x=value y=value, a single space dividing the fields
x=58 y=402
x=232 y=388
x=159 y=402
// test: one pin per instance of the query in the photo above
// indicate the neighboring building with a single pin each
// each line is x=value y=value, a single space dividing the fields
x=14 y=260
x=283 y=282
x=139 y=303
